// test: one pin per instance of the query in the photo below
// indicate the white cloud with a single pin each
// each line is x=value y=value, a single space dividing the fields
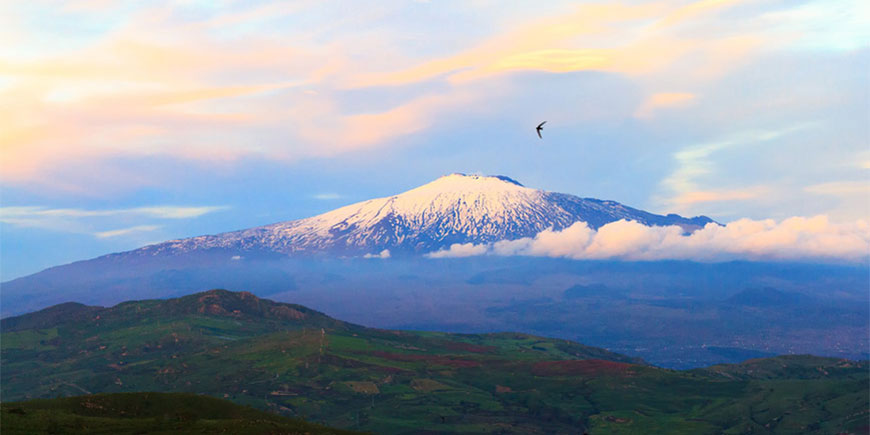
x=460 y=250
x=383 y=254
x=796 y=238
x=125 y=231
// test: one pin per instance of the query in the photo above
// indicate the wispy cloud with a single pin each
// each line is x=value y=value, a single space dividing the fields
x=13 y=213
x=125 y=231
x=240 y=83
x=796 y=238
x=663 y=100
x=688 y=183
x=93 y=222
x=842 y=188
x=640 y=39
x=327 y=196
x=175 y=212
x=686 y=199
x=194 y=82
x=851 y=198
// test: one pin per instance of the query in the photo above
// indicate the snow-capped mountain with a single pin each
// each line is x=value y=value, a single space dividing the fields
x=277 y=258
x=455 y=208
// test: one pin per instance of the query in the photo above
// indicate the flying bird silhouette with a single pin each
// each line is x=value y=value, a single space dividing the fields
x=539 y=128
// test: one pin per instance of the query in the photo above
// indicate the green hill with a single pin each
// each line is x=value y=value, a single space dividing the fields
x=294 y=361
x=137 y=413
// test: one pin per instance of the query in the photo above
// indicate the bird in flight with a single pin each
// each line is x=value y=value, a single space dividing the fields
x=539 y=128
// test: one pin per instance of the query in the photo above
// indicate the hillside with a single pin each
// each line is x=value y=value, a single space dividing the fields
x=297 y=362
x=138 y=413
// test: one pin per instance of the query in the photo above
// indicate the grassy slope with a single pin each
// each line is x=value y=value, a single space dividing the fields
x=133 y=413
x=295 y=361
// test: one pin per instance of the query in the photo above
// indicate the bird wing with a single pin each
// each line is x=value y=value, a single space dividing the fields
x=539 y=128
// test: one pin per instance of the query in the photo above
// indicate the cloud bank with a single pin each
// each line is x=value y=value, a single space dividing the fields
x=796 y=238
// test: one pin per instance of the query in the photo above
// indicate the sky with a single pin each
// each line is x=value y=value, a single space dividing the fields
x=129 y=123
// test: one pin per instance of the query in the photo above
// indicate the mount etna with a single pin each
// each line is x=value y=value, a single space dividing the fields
x=456 y=208
x=371 y=263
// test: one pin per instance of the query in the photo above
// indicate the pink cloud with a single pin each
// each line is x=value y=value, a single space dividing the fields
x=164 y=81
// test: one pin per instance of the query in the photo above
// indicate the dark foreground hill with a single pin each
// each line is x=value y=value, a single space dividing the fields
x=297 y=362
x=139 y=413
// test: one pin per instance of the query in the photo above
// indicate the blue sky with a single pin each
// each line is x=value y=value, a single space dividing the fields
x=127 y=123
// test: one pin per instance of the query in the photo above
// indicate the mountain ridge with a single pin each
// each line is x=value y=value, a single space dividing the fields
x=218 y=302
x=240 y=306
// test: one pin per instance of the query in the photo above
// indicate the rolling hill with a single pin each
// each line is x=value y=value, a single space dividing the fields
x=298 y=362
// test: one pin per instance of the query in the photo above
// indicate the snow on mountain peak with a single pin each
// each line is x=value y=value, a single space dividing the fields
x=458 y=182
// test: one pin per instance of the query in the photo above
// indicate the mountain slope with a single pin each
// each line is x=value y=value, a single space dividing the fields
x=297 y=362
x=456 y=208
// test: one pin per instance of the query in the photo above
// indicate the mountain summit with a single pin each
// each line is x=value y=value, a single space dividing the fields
x=455 y=208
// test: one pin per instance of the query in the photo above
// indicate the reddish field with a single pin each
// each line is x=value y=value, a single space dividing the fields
x=588 y=367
